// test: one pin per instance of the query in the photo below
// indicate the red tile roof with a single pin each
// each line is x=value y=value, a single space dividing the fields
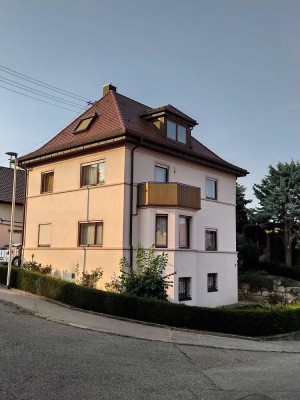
x=6 y=185
x=120 y=115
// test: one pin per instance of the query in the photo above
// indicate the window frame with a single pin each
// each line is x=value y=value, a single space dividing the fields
x=91 y=117
x=176 y=131
x=216 y=239
x=81 y=223
x=187 y=295
x=39 y=234
x=43 y=175
x=188 y=219
x=214 y=286
x=216 y=188
x=166 y=168
x=82 y=185
x=167 y=231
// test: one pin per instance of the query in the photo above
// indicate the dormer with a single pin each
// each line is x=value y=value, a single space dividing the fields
x=174 y=125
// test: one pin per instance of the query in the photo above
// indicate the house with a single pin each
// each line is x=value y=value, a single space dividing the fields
x=124 y=173
x=6 y=188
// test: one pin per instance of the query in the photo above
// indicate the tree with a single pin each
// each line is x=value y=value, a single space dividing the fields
x=279 y=197
x=242 y=213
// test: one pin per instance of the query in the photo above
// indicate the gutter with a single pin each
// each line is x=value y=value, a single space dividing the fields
x=131 y=206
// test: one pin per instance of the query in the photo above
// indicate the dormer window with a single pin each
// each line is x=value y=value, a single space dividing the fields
x=176 y=131
x=84 y=124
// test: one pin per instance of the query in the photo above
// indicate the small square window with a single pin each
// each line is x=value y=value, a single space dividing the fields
x=184 y=289
x=161 y=231
x=84 y=124
x=184 y=232
x=212 y=282
x=91 y=233
x=47 y=179
x=210 y=240
x=93 y=174
x=211 y=189
x=161 y=174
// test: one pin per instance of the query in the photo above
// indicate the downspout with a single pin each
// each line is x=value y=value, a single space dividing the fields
x=24 y=216
x=131 y=207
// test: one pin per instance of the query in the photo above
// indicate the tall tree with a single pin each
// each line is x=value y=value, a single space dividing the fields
x=279 y=197
x=242 y=213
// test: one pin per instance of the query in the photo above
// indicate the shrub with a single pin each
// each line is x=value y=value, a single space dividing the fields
x=89 y=279
x=251 y=322
x=280 y=270
x=37 y=267
x=147 y=280
x=249 y=255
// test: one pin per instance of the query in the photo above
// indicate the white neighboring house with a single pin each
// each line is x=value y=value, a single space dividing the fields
x=6 y=187
x=124 y=173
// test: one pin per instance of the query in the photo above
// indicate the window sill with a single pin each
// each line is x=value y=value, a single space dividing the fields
x=90 y=245
x=212 y=290
x=92 y=185
x=211 y=250
x=185 y=299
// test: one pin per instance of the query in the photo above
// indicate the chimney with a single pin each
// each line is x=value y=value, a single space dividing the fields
x=109 y=87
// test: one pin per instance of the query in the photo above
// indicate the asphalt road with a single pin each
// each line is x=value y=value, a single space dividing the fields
x=40 y=359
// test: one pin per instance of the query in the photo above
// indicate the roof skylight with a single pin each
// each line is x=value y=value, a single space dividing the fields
x=84 y=124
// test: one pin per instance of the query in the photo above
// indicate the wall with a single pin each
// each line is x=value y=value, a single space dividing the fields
x=5 y=216
x=70 y=204
x=195 y=262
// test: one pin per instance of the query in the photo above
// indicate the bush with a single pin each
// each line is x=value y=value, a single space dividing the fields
x=280 y=270
x=251 y=322
x=249 y=255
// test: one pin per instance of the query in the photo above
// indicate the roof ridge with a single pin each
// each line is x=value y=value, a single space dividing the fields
x=118 y=110
x=126 y=97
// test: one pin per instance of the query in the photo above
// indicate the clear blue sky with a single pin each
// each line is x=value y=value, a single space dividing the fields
x=233 y=65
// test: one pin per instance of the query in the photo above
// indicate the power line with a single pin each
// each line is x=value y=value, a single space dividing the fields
x=41 y=83
x=39 y=92
x=43 y=101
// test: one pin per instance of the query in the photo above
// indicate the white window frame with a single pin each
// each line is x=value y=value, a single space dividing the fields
x=216 y=232
x=208 y=178
x=165 y=167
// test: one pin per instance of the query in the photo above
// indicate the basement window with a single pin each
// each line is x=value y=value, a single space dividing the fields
x=84 y=124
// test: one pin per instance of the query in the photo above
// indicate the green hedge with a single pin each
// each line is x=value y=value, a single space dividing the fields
x=280 y=270
x=251 y=322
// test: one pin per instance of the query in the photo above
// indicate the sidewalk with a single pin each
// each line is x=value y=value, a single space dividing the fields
x=67 y=315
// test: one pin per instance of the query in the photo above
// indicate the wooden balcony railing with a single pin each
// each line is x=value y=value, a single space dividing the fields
x=169 y=194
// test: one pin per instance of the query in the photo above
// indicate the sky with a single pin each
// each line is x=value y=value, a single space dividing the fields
x=233 y=65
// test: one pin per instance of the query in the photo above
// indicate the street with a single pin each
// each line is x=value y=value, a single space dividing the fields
x=42 y=359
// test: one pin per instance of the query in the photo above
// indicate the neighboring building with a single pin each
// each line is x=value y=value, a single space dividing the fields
x=6 y=188
x=123 y=172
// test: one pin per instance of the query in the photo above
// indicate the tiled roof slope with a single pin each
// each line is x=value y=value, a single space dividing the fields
x=116 y=115
x=6 y=185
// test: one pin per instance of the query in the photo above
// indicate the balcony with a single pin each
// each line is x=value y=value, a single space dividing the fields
x=169 y=195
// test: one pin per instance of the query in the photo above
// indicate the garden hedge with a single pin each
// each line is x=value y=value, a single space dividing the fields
x=280 y=270
x=251 y=322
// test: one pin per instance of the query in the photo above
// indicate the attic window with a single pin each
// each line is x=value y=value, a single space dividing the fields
x=84 y=124
x=176 y=132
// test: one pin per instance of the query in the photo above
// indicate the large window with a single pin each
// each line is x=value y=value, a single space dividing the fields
x=177 y=132
x=47 y=179
x=44 y=235
x=90 y=233
x=184 y=232
x=210 y=240
x=93 y=174
x=212 y=282
x=161 y=173
x=211 y=189
x=161 y=231
x=184 y=289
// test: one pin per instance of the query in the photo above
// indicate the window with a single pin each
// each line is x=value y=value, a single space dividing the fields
x=212 y=282
x=161 y=231
x=176 y=132
x=84 y=124
x=211 y=189
x=47 y=182
x=211 y=240
x=161 y=173
x=184 y=232
x=90 y=233
x=44 y=235
x=184 y=289
x=93 y=174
